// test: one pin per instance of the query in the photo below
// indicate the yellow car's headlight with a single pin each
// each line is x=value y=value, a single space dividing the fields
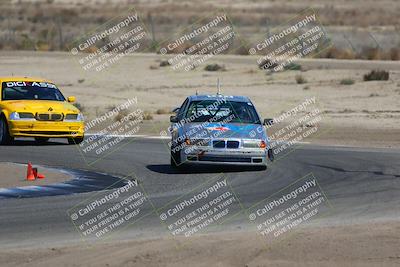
x=17 y=116
x=80 y=117
x=74 y=117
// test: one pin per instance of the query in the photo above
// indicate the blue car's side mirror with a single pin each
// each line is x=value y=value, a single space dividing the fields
x=173 y=119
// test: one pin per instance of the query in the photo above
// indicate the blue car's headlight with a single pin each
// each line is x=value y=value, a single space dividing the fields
x=254 y=143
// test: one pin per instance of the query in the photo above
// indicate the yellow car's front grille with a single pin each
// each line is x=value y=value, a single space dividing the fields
x=56 y=117
x=49 y=117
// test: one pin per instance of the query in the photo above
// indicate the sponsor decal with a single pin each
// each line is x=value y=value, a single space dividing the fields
x=218 y=128
x=25 y=84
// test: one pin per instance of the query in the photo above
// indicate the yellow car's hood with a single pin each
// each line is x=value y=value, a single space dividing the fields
x=34 y=106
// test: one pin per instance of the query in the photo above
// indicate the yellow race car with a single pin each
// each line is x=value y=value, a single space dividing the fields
x=36 y=108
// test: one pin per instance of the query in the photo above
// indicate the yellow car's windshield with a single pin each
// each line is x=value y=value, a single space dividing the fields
x=30 y=91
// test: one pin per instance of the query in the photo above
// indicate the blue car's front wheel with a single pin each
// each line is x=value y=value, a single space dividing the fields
x=175 y=158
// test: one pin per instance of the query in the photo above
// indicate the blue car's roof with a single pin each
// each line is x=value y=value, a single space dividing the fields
x=216 y=97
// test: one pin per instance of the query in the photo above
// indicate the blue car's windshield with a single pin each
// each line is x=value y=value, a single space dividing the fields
x=31 y=91
x=228 y=111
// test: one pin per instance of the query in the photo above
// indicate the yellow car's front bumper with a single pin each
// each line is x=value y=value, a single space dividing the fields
x=46 y=129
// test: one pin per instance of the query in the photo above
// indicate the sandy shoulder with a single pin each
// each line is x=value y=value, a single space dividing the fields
x=354 y=245
x=14 y=175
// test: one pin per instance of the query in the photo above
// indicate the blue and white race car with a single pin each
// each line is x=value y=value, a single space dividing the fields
x=219 y=129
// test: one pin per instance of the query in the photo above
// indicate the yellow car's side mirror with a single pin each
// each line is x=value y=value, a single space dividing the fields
x=71 y=99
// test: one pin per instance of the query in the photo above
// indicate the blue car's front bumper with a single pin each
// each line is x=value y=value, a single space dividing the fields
x=240 y=156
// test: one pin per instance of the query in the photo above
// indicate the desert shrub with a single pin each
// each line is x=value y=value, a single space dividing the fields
x=346 y=110
x=347 y=81
x=147 y=116
x=122 y=114
x=242 y=50
x=214 y=67
x=164 y=63
x=337 y=53
x=91 y=49
x=69 y=15
x=371 y=53
x=154 y=46
x=300 y=79
x=26 y=43
x=394 y=54
x=377 y=75
x=306 y=87
x=42 y=46
x=163 y=111
x=292 y=66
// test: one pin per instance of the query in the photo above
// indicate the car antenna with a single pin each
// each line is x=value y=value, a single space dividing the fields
x=197 y=92
x=218 y=87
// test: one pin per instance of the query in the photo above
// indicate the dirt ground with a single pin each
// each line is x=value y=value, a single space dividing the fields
x=14 y=175
x=371 y=244
x=363 y=113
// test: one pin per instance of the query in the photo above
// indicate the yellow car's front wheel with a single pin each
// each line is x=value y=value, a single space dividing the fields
x=5 y=137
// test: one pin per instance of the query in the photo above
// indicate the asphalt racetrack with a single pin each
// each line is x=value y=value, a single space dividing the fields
x=361 y=185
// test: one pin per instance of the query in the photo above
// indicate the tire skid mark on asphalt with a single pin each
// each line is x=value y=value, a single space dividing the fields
x=83 y=182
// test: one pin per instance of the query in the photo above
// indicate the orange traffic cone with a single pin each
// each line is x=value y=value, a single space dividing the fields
x=38 y=175
x=29 y=174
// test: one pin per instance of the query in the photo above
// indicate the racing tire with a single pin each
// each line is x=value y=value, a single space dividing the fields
x=175 y=160
x=75 y=140
x=41 y=140
x=271 y=155
x=5 y=137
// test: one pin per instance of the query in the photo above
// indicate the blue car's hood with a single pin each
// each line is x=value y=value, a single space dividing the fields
x=229 y=130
